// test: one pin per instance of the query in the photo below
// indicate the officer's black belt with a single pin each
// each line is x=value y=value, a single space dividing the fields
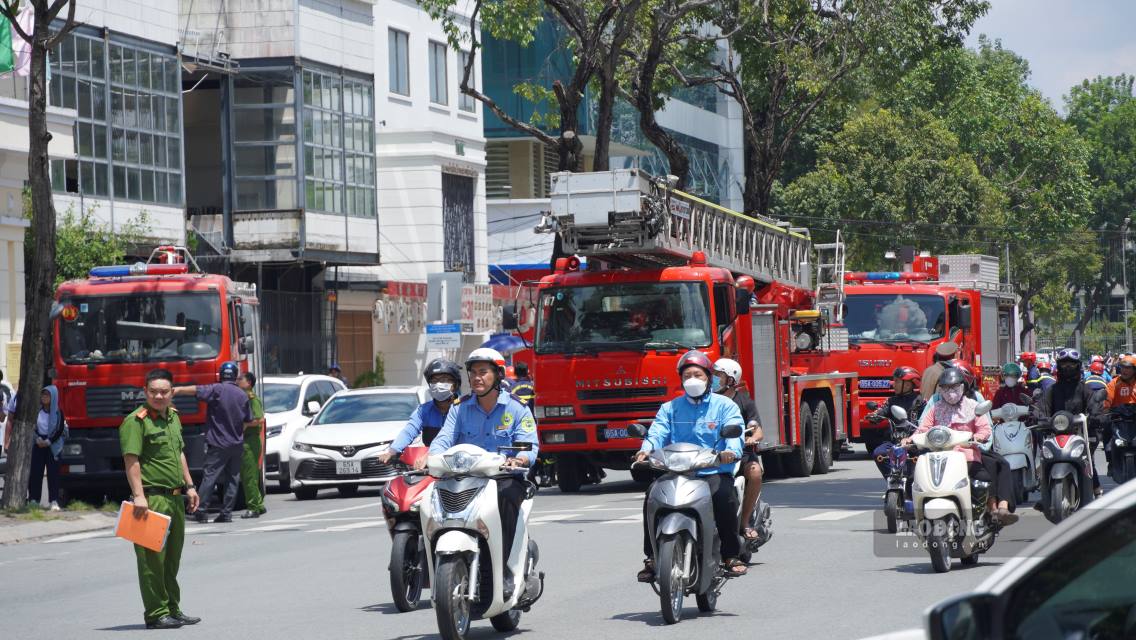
x=158 y=491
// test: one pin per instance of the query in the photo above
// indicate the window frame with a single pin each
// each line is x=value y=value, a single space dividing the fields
x=466 y=103
x=399 y=62
x=437 y=84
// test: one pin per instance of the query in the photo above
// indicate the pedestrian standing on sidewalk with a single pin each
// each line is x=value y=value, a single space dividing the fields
x=227 y=415
x=6 y=394
x=250 y=460
x=152 y=449
x=51 y=430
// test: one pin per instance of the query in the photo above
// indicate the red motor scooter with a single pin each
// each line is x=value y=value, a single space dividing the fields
x=408 y=571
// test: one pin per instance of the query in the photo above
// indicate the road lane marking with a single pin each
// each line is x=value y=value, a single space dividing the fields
x=275 y=527
x=371 y=505
x=542 y=519
x=75 y=537
x=350 y=527
x=636 y=519
x=833 y=515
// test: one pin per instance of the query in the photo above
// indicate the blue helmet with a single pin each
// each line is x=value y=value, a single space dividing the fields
x=229 y=372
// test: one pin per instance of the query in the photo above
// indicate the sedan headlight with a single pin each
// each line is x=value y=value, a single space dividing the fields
x=274 y=430
x=301 y=446
x=461 y=462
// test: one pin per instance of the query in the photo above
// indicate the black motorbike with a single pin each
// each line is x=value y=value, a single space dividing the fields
x=1120 y=443
x=900 y=466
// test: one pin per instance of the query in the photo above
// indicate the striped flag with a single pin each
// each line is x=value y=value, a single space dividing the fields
x=15 y=52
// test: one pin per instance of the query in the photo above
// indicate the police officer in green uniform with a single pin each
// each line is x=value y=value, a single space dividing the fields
x=250 y=459
x=152 y=448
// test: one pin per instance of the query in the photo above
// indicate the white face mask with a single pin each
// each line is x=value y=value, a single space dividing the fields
x=951 y=395
x=441 y=391
x=694 y=387
x=1010 y=382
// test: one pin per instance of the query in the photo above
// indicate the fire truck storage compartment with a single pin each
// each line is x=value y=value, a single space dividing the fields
x=990 y=342
x=766 y=377
x=591 y=197
x=977 y=269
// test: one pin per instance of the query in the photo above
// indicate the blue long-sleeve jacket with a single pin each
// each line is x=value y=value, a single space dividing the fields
x=508 y=422
x=682 y=420
x=426 y=417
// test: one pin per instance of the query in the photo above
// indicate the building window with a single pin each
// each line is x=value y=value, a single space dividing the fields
x=339 y=144
x=466 y=102
x=457 y=224
x=439 y=91
x=264 y=140
x=128 y=129
x=399 y=44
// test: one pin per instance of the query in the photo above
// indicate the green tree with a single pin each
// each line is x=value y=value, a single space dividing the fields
x=82 y=241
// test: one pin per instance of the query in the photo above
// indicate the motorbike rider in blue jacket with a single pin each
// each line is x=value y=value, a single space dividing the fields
x=697 y=417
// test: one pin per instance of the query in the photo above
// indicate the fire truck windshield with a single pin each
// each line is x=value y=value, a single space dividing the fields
x=892 y=317
x=625 y=316
x=140 y=328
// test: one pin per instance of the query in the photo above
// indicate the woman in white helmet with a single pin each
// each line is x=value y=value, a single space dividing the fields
x=727 y=376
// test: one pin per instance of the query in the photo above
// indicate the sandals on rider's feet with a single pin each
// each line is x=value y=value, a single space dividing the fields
x=648 y=572
x=751 y=534
x=735 y=568
x=1005 y=518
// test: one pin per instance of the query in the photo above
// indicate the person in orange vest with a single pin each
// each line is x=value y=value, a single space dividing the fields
x=1122 y=389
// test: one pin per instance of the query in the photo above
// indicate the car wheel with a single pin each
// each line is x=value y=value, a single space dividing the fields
x=306 y=493
x=285 y=481
x=348 y=490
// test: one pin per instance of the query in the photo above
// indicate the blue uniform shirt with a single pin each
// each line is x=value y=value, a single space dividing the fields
x=426 y=416
x=682 y=420
x=508 y=422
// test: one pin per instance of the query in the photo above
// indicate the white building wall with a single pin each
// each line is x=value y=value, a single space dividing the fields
x=155 y=20
x=338 y=33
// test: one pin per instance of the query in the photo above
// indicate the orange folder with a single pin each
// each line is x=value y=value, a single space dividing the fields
x=150 y=531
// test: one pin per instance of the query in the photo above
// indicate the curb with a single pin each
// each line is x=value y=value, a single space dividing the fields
x=25 y=531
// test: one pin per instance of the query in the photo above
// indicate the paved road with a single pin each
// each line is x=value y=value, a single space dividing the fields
x=318 y=569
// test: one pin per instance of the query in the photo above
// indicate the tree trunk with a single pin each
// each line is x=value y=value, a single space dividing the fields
x=37 y=307
x=677 y=159
x=604 y=118
x=570 y=150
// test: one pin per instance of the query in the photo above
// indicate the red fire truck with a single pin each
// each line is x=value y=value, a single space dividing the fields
x=112 y=328
x=893 y=319
x=667 y=272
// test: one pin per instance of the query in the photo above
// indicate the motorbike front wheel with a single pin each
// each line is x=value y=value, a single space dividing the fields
x=938 y=545
x=406 y=571
x=1062 y=500
x=452 y=584
x=891 y=511
x=671 y=569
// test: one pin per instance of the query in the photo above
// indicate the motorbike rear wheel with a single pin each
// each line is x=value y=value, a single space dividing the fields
x=452 y=584
x=1129 y=469
x=671 y=566
x=406 y=571
x=1021 y=494
x=891 y=511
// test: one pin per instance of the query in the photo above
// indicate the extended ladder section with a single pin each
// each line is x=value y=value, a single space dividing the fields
x=625 y=217
x=830 y=279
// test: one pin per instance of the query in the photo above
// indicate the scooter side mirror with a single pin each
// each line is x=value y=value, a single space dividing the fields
x=636 y=430
x=732 y=431
x=873 y=405
x=983 y=408
x=898 y=412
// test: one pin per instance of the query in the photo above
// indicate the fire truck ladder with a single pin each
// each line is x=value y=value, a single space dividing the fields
x=830 y=279
x=628 y=218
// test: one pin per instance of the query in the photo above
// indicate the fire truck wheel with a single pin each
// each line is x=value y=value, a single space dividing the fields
x=800 y=462
x=570 y=474
x=822 y=434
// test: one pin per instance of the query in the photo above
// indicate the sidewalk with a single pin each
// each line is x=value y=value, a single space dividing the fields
x=15 y=529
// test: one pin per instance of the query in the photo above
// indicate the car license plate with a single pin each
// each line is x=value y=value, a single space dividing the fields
x=613 y=433
x=875 y=383
x=348 y=467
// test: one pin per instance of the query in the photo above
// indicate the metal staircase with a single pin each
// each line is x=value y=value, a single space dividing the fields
x=626 y=217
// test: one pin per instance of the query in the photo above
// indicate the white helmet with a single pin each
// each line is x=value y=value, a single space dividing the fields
x=729 y=367
x=485 y=354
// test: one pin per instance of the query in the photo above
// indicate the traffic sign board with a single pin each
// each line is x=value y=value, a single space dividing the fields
x=443 y=336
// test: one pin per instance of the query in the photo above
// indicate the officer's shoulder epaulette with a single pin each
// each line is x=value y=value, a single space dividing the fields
x=173 y=408
x=141 y=413
x=463 y=398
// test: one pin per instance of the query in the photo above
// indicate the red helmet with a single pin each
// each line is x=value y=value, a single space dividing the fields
x=964 y=368
x=1029 y=357
x=697 y=359
x=907 y=373
x=1096 y=367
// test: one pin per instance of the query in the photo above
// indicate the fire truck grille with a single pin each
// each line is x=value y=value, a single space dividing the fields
x=621 y=407
x=115 y=402
x=457 y=501
x=621 y=394
x=325 y=470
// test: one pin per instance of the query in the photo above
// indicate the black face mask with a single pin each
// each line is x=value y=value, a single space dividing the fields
x=1068 y=373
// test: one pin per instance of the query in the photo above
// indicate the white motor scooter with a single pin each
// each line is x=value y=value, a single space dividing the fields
x=462 y=527
x=1013 y=440
x=951 y=516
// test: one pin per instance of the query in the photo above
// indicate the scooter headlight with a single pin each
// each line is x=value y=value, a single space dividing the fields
x=938 y=437
x=1078 y=450
x=1047 y=453
x=1061 y=423
x=1120 y=443
x=961 y=484
x=460 y=462
x=915 y=488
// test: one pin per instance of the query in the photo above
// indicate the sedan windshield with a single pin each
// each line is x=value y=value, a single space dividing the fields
x=279 y=398
x=623 y=316
x=368 y=407
x=894 y=317
x=140 y=327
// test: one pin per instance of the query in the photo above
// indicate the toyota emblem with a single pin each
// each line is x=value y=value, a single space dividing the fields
x=347 y=451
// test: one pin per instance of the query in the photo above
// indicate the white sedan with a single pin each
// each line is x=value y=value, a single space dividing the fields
x=340 y=447
x=289 y=404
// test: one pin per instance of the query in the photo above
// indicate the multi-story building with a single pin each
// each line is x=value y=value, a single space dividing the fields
x=518 y=167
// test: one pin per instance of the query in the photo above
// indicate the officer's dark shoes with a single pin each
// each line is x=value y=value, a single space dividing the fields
x=250 y=514
x=165 y=622
x=224 y=517
x=187 y=620
x=200 y=516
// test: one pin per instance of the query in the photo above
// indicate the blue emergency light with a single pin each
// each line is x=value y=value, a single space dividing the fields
x=882 y=275
x=138 y=269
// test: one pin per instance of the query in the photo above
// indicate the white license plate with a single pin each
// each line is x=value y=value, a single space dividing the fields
x=348 y=467
x=613 y=433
